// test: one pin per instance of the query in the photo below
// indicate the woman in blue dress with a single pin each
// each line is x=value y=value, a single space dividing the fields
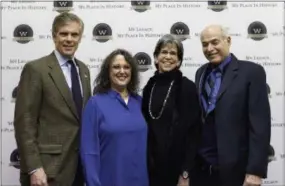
x=114 y=132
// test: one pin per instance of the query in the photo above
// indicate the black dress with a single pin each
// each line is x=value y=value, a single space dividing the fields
x=173 y=129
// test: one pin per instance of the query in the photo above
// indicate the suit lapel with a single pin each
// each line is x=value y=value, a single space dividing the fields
x=200 y=89
x=61 y=84
x=200 y=81
x=229 y=76
x=84 y=80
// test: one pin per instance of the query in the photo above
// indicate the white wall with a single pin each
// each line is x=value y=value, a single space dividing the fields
x=138 y=32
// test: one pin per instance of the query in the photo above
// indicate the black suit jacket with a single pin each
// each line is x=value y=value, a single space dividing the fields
x=242 y=121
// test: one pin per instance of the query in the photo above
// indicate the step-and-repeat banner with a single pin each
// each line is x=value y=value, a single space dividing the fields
x=257 y=30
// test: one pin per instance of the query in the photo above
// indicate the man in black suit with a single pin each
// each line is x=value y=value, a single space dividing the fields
x=236 y=116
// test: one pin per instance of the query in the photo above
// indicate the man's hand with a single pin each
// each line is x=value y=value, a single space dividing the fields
x=39 y=178
x=183 y=182
x=252 y=180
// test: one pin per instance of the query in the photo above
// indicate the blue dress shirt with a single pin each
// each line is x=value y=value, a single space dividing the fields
x=209 y=103
x=208 y=149
x=113 y=141
x=66 y=68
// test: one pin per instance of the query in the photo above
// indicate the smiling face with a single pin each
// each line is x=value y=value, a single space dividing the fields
x=216 y=46
x=120 y=73
x=167 y=58
x=67 y=38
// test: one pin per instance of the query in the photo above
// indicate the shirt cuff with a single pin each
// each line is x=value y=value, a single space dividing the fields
x=33 y=171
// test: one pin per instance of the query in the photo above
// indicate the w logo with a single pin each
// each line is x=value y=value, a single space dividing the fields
x=257 y=31
x=217 y=2
x=102 y=32
x=62 y=3
x=15 y=159
x=140 y=6
x=143 y=60
x=181 y=30
x=14 y=94
x=271 y=154
x=23 y=34
x=62 y=6
x=217 y=5
x=140 y=2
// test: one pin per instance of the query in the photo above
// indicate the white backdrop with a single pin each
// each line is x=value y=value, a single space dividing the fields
x=26 y=35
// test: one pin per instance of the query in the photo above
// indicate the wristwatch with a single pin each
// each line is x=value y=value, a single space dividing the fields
x=185 y=175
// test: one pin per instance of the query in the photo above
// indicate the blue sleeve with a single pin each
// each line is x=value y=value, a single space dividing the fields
x=139 y=98
x=90 y=145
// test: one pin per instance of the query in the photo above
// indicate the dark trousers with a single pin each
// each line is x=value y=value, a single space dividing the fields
x=205 y=174
x=162 y=176
x=162 y=182
x=79 y=178
x=162 y=179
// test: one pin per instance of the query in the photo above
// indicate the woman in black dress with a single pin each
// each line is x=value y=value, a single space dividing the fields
x=171 y=108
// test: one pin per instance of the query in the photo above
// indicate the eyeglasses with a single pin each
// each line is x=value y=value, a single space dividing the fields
x=165 y=52
x=119 y=67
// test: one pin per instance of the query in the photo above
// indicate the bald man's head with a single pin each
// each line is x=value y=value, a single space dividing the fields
x=216 y=43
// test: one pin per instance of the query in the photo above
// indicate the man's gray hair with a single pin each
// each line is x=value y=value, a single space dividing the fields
x=64 y=18
x=224 y=31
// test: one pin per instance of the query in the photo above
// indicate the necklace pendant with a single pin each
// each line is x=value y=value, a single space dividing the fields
x=164 y=102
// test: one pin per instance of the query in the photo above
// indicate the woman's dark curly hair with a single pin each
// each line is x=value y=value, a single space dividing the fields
x=102 y=82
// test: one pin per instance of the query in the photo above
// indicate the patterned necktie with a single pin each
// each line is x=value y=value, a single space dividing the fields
x=212 y=86
x=75 y=88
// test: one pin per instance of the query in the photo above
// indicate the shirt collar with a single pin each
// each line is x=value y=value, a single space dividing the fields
x=113 y=93
x=222 y=65
x=61 y=59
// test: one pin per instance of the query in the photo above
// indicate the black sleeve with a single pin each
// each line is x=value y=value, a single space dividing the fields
x=144 y=105
x=191 y=118
x=260 y=123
